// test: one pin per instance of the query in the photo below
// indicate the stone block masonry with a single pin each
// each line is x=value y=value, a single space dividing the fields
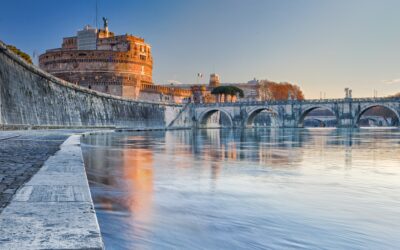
x=30 y=97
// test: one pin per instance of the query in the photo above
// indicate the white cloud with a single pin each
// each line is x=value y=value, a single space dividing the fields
x=393 y=81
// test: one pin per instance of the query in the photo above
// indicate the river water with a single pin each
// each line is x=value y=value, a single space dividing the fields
x=247 y=189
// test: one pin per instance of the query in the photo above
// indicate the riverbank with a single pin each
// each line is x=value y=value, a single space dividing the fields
x=31 y=98
x=45 y=196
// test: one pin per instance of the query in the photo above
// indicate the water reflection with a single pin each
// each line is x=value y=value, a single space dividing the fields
x=125 y=174
x=138 y=172
x=255 y=188
x=265 y=146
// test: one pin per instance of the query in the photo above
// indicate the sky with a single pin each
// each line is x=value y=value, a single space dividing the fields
x=321 y=45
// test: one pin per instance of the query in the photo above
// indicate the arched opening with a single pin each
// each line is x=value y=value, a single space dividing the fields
x=262 y=117
x=318 y=117
x=377 y=116
x=215 y=118
x=314 y=122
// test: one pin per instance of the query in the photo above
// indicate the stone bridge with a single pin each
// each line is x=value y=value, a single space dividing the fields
x=374 y=120
x=291 y=113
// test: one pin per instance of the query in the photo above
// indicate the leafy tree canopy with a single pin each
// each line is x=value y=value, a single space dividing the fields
x=281 y=91
x=395 y=95
x=21 y=54
x=228 y=90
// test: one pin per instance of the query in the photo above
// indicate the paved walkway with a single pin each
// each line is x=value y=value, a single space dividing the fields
x=22 y=153
x=54 y=209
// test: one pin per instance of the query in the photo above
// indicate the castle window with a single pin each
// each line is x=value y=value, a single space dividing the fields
x=142 y=57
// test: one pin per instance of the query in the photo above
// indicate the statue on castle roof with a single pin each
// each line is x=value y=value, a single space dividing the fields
x=105 y=21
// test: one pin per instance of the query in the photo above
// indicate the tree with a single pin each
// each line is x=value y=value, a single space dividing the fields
x=228 y=90
x=397 y=95
x=20 y=53
x=264 y=91
x=269 y=90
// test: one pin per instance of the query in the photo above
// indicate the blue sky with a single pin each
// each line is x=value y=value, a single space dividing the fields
x=323 y=46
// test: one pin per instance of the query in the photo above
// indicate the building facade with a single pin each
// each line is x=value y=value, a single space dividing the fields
x=99 y=60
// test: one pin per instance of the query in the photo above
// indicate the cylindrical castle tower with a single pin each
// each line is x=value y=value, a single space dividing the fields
x=98 y=60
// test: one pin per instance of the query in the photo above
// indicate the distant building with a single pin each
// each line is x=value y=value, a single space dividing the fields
x=214 y=80
x=199 y=93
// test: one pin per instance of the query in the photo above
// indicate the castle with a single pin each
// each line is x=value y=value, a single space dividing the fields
x=119 y=65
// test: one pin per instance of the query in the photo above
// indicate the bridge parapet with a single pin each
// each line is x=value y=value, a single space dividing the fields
x=307 y=101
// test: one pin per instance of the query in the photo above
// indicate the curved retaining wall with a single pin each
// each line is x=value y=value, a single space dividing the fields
x=30 y=97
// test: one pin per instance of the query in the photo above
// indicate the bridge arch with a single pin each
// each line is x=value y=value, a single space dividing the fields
x=321 y=122
x=368 y=107
x=206 y=115
x=376 y=121
x=307 y=110
x=251 y=115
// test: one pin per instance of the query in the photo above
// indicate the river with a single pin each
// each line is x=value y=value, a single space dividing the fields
x=246 y=189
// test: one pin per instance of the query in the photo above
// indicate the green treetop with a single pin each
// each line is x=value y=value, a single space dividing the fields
x=21 y=54
x=227 y=90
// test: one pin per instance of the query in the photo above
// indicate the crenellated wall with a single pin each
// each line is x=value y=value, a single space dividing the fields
x=30 y=97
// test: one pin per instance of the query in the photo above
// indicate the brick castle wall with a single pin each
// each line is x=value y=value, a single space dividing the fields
x=111 y=72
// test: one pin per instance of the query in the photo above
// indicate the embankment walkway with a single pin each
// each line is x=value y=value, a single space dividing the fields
x=44 y=194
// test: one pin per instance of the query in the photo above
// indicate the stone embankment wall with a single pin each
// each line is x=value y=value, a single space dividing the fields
x=30 y=97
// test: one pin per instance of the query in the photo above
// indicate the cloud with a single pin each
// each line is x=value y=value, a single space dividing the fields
x=393 y=81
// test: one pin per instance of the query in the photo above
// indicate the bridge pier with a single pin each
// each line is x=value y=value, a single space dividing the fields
x=345 y=123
